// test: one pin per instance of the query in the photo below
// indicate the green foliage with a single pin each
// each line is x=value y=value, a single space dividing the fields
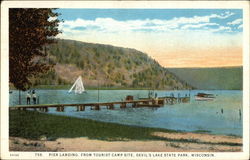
x=48 y=78
x=29 y=31
x=115 y=66
x=211 y=78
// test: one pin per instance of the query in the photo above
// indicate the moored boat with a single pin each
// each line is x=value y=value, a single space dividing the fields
x=78 y=86
x=204 y=97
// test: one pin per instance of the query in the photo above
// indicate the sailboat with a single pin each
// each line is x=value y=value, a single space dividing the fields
x=77 y=86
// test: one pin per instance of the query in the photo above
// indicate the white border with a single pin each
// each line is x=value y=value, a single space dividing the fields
x=121 y=4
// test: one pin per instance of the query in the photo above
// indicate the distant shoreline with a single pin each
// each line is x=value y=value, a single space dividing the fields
x=67 y=87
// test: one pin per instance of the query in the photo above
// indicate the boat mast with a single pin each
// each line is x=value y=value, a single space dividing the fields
x=73 y=86
x=98 y=91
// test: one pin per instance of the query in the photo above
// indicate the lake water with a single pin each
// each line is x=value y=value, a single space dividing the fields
x=192 y=116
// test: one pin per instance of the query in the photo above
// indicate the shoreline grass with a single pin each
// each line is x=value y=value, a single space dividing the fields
x=33 y=125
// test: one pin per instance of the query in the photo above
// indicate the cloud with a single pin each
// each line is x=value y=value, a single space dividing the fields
x=240 y=26
x=199 y=25
x=193 y=20
x=147 y=25
x=220 y=29
x=50 y=19
x=235 y=22
x=223 y=15
x=169 y=44
x=162 y=38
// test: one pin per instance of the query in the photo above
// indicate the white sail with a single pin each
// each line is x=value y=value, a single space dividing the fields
x=78 y=86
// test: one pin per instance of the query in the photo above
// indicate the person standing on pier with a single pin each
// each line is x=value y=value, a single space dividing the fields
x=156 y=98
x=28 y=96
x=34 y=96
x=240 y=113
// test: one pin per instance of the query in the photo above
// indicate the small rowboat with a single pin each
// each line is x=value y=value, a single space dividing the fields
x=204 y=97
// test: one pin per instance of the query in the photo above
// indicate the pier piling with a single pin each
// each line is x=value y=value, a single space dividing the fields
x=60 y=109
x=134 y=105
x=110 y=106
x=123 y=105
x=97 y=107
x=82 y=108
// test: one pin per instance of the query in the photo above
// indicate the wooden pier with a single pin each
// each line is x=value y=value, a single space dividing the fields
x=143 y=102
x=93 y=106
x=172 y=100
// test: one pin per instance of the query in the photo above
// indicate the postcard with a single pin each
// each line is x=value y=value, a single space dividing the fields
x=125 y=80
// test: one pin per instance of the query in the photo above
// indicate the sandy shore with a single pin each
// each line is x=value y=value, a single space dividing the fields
x=172 y=142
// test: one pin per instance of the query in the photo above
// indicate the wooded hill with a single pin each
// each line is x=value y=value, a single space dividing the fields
x=211 y=78
x=107 y=66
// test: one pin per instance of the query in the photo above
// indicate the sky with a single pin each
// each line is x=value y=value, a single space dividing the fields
x=176 y=38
